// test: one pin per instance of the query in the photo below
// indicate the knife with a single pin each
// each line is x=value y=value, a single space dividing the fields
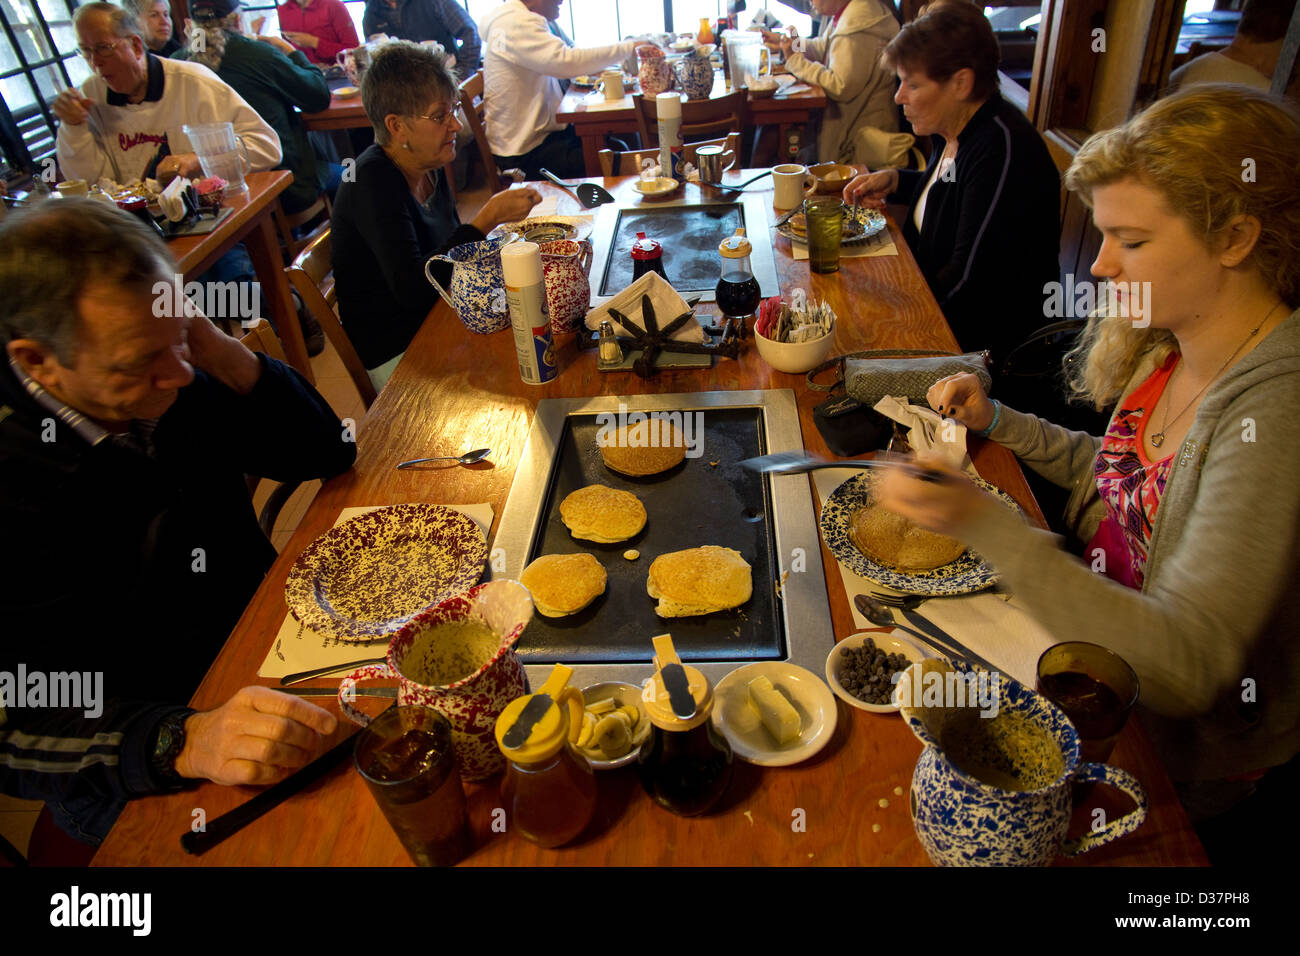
x=390 y=692
x=939 y=634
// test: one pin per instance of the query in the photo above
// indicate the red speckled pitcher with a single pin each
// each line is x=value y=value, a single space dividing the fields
x=566 y=264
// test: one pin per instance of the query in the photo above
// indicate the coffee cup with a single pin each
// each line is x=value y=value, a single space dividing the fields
x=791 y=180
x=73 y=187
x=612 y=81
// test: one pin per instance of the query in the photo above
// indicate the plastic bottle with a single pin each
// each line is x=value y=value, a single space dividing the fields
x=521 y=267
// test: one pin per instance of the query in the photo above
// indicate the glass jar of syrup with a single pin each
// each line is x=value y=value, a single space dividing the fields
x=686 y=765
x=647 y=256
x=549 y=790
x=737 y=291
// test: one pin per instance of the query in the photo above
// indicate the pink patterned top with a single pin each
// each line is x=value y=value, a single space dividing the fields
x=1130 y=483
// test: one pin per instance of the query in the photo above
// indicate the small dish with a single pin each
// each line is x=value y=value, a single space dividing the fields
x=656 y=188
x=347 y=92
x=737 y=720
x=624 y=693
x=794 y=357
x=891 y=643
x=585 y=82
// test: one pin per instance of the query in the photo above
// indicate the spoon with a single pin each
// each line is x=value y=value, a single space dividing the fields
x=737 y=186
x=478 y=454
x=878 y=614
x=589 y=194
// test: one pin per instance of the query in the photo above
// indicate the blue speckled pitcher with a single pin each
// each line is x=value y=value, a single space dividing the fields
x=1030 y=748
x=478 y=288
x=694 y=73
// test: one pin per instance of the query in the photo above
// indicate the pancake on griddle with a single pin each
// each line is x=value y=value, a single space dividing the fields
x=890 y=539
x=601 y=513
x=563 y=584
x=699 y=581
x=646 y=448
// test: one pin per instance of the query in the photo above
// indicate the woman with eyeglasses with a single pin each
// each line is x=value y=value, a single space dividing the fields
x=395 y=209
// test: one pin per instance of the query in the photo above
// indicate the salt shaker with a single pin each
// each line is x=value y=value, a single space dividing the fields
x=610 y=353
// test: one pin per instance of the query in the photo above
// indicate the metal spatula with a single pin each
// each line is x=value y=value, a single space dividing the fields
x=794 y=463
x=589 y=194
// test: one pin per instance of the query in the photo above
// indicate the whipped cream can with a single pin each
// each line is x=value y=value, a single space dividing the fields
x=521 y=266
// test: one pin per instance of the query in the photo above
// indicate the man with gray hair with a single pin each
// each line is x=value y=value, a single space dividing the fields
x=155 y=18
x=126 y=121
x=126 y=430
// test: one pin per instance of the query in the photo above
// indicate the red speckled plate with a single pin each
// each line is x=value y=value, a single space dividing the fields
x=370 y=575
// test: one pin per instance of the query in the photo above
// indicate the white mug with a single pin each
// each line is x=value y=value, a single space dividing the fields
x=613 y=81
x=791 y=179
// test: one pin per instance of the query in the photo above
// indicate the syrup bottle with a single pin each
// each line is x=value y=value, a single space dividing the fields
x=549 y=790
x=686 y=765
x=737 y=292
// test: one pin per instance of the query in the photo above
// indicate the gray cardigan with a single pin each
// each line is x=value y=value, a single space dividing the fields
x=1215 y=623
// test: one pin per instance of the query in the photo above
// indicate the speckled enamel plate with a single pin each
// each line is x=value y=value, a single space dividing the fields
x=966 y=575
x=368 y=576
x=546 y=228
x=859 y=225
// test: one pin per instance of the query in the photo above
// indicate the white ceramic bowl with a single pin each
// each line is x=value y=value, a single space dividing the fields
x=624 y=694
x=737 y=720
x=795 y=357
x=891 y=643
x=656 y=188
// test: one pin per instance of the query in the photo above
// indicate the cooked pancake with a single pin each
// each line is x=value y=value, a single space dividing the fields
x=798 y=224
x=890 y=539
x=646 y=448
x=601 y=513
x=699 y=581
x=563 y=584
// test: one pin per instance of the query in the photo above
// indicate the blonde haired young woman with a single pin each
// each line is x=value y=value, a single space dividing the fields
x=1193 y=495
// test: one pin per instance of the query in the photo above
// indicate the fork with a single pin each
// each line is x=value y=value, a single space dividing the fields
x=908 y=602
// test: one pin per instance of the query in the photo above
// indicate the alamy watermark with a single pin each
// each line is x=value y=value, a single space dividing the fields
x=78 y=690
x=951 y=688
x=651 y=430
x=1079 y=300
x=216 y=300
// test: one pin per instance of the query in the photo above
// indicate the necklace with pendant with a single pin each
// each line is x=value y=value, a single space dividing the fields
x=1158 y=438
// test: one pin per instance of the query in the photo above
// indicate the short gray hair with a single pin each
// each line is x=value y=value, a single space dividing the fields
x=51 y=253
x=142 y=8
x=125 y=22
x=402 y=78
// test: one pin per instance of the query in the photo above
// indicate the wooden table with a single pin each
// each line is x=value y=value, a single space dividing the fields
x=453 y=391
x=253 y=225
x=591 y=125
x=342 y=113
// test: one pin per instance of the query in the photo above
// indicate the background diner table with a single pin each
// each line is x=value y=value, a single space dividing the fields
x=454 y=391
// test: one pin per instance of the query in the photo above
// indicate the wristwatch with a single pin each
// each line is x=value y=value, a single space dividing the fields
x=167 y=746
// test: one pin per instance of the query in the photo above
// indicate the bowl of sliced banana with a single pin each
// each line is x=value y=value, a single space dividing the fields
x=614 y=725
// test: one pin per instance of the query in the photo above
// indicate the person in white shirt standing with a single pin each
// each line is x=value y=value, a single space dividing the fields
x=522 y=64
x=125 y=121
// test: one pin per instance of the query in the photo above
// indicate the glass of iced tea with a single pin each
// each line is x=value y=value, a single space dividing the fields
x=1095 y=687
x=406 y=758
x=824 y=221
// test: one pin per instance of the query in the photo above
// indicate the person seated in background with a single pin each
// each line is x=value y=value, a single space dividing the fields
x=521 y=91
x=276 y=80
x=155 y=18
x=1197 y=518
x=399 y=210
x=982 y=219
x=125 y=121
x=1252 y=56
x=860 y=114
x=322 y=29
x=444 y=21
x=126 y=431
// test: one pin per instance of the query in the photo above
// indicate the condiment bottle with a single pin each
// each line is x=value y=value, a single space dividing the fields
x=669 y=108
x=706 y=32
x=521 y=268
x=685 y=765
x=549 y=790
x=647 y=256
x=737 y=292
x=610 y=354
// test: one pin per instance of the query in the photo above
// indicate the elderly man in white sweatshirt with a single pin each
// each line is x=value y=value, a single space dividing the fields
x=522 y=64
x=125 y=121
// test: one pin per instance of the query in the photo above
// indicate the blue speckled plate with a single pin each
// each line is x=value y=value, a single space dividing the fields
x=966 y=575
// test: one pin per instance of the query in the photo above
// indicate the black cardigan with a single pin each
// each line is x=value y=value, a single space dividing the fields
x=381 y=240
x=990 y=239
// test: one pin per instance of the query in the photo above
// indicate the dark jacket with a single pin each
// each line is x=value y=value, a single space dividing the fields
x=381 y=240
x=136 y=567
x=418 y=20
x=990 y=238
x=274 y=83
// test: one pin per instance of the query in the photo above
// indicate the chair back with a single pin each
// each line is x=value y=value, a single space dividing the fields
x=472 y=107
x=628 y=163
x=311 y=275
x=260 y=337
x=285 y=224
x=700 y=118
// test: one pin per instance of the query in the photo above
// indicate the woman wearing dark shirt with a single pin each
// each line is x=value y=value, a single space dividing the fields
x=983 y=220
x=398 y=210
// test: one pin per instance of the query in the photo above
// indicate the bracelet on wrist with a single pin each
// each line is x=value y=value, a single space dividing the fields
x=997 y=416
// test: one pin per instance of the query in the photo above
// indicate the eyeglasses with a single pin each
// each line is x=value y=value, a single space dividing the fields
x=99 y=49
x=441 y=117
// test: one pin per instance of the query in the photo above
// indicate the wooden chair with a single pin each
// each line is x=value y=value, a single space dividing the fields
x=471 y=106
x=629 y=163
x=311 y=275
x=286 y=224
x=700 y=118
x=260 y=337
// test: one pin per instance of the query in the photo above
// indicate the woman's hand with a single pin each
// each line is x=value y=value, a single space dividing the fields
x=508 y=205
x=943 y=505
x=870 y=189
x=962 y=397
x=309 y=40
x=281 y=44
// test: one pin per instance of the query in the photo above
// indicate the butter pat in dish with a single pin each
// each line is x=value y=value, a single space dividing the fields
x=781 y=720
x=735 y=716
